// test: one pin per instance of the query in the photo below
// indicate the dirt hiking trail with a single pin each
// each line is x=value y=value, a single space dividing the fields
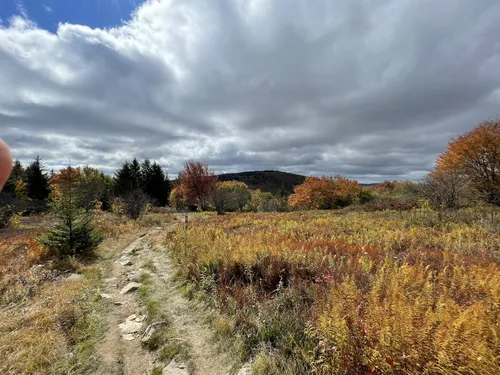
x=121 y=351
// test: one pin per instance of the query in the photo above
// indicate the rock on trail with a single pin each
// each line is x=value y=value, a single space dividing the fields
x=130 y=287
x=175 y=368
x=125 y=262
x=151 y=330
x=75 y=277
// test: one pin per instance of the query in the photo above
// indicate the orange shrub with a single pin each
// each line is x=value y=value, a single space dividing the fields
x=324 y=193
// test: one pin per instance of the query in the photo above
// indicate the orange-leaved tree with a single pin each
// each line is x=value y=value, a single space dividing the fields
x=324 y=193
x=69 y=176
x=476 y=155
x=196 y=183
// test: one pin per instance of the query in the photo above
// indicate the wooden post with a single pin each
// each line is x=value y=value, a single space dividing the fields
x=185 y=221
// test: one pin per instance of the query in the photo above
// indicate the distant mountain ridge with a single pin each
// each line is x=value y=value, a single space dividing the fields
x=270 y=181
x=274 y=182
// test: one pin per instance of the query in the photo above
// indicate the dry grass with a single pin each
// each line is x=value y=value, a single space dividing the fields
x=354 y=293
x=39 y=311
x=49 y=325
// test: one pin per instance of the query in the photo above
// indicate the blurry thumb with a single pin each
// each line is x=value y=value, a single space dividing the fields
x=5 y=163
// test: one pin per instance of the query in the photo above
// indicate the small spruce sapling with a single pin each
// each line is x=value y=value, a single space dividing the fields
x=74 y=233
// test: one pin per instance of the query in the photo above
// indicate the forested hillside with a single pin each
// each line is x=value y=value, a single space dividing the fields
x=268 y=181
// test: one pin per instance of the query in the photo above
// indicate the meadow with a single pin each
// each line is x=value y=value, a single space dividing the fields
x=351 y=292
x=51 y=323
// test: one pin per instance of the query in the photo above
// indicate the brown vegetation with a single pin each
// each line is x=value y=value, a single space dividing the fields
x=328 y=292
x=48 y=323
x=196 y=183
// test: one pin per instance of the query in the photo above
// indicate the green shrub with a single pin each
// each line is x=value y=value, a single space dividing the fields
x=5 y=215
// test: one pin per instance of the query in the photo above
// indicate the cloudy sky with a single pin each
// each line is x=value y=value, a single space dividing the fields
x=370 y=89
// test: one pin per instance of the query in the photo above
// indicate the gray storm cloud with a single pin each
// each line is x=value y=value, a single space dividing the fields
x=371 y=90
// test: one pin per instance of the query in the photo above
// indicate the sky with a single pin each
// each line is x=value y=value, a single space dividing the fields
x=371 y=90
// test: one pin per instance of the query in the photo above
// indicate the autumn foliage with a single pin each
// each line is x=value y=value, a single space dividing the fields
x=357 y=293
x=196 y=183
x=476 y=155
x=324 y=193
x=69 y=175
x=230 y=196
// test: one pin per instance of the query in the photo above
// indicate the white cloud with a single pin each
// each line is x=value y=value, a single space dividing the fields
x=21 y=8
x=370 y=90
x=47 y=8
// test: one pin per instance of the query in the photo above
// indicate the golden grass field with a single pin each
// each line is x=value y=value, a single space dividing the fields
x=50 y=325
x=312 y=292
x=338 y=292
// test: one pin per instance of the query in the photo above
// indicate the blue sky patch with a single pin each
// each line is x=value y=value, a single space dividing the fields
x=49 y=13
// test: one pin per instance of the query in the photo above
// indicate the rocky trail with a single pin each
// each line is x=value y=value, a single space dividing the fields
x=122 y=351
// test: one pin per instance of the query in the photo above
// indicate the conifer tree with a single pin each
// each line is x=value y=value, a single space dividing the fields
x=154 y=182
x=123 y=180
x=37 y=181
x=16 y=174
x=74 y=233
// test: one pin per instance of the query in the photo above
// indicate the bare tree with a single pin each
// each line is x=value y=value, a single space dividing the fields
x=445 y=190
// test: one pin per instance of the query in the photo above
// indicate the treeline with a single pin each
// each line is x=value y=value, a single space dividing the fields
x=199 y=188
x=467 y=173
x=32 y=189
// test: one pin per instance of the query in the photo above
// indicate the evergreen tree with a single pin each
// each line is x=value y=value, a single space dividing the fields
x=281 y=193
x=37 y=181
x=73 y=234
x=158 y=186
x=128 y=178
x=154 y=182
x=146 y=171
x=124 y=180
x=16 y=174
x=135 y=169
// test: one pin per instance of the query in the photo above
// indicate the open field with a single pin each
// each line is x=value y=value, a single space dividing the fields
x=311 y=292
x=336 y=292
x=49 y=323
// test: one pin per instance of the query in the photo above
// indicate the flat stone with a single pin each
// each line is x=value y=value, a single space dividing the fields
x=130 y=287
x=106 y=296
x=152 y=329
x=75 y=277
x=136 y=318
x=245 y=370
x=131 y=248
x=125 y=262
x=129 y=327
x=128 y=337
x=118 y=303
x=134 y=276
x=175 y=368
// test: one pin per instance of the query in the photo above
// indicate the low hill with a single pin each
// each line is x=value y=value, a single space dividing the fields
x=270 y=181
